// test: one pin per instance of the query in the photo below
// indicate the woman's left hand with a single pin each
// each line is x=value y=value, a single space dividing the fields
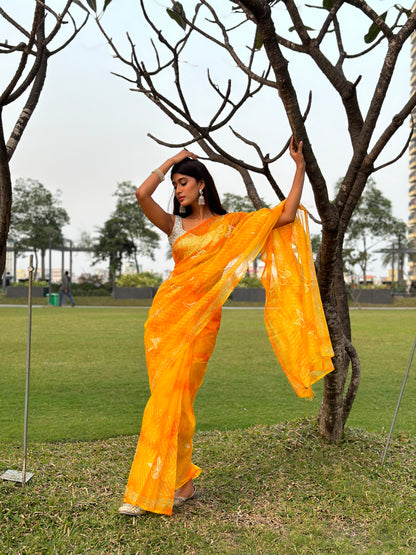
x=296 y=153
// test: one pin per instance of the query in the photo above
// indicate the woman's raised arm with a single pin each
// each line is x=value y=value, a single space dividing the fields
x=288 y=214
x=151 y=209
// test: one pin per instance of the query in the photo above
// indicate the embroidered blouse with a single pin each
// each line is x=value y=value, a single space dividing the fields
x=177 y=231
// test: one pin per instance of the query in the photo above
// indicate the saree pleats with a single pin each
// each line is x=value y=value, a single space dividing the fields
x=182 y=327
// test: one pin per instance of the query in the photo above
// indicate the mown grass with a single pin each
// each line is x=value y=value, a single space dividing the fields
x=89 y=381
x=265 y=490
x=268 y=486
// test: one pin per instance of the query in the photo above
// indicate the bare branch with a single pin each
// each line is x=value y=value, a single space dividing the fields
x=228 y=47
x=366 y=51
x=375 y=18
x=15 y=23
x=330 y=19
x=132 y=81
x=226 y=99
x=72 y=37
x=9 y=49
x=395 y=124
x=286 y=146
x=250 y=143
x=183 y=144
x=8 y=95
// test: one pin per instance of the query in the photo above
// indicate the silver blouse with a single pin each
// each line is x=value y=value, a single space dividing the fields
x=177 y=231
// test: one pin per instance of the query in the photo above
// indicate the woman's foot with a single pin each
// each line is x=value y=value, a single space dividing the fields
x=131 y=510
x=184 y=494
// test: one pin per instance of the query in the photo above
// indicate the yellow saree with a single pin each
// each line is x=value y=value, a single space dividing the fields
x=182 y=327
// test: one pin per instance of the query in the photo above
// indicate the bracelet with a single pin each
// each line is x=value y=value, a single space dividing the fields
x=160 y=174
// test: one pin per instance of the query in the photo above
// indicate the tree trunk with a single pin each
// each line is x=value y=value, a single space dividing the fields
x=136 y=262
x=5 y=197
x=42 y=267
x=35 y=273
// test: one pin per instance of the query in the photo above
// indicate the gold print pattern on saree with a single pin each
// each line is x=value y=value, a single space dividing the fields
x=157 y=469
x=155 y=342
x=284 y=275
x=301 y=320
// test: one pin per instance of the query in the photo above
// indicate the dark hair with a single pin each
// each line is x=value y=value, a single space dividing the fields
x=197 y=170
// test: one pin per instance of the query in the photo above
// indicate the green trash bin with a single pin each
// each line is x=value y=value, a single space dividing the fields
x=54 y=299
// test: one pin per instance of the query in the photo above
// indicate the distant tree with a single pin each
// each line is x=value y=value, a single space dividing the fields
x=135 y=224
x=237 y=203
x=32 y=47
x=112 y=244
x=85 y=241
x=37 y=219
x=372 y=220
x=399 y=243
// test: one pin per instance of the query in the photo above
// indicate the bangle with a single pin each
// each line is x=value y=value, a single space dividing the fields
x=160 y=174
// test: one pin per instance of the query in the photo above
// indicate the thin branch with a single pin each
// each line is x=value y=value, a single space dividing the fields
x=15 y=24
x=77 y=30
x=227 y=46
x=132 y=81
x=402 y=152
x=396 y=122
x=366 y=51
x=38 y=30
x=5 y=96
x=182 y=144
x=305 y=116
x=250 y=143
x=9 y=49
x=226 y=100
x=330 y=19
x=371 y=14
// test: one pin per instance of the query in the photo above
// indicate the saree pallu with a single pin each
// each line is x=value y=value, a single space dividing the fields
x=183 y=323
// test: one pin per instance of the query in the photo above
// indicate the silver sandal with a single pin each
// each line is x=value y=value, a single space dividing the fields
x=131 y=510
x=179 y=501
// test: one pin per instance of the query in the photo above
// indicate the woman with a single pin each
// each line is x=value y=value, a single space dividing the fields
x=212 y=251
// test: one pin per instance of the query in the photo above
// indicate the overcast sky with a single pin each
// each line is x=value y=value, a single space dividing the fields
x=89 y=131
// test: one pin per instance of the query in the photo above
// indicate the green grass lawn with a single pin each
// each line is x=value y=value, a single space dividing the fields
x=270 y=484
x=88 y=374
x=266 y=490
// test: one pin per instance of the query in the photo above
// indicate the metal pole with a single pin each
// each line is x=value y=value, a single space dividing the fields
x=398 y=402
x=29 y=337
x=14 y=475
x=14 y=264
x=70 y=259
x=63 y=259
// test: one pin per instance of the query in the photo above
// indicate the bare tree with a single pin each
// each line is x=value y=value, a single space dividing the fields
x=264 y=66
x=33 y=48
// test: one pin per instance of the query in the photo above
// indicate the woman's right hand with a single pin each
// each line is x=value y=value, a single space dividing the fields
x=182 y=155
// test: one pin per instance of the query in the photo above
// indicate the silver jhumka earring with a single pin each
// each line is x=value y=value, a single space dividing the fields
x=182 y=209
x=201 y=198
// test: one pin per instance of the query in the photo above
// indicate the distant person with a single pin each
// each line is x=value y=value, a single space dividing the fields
x=212 y=251
x=66 y=289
